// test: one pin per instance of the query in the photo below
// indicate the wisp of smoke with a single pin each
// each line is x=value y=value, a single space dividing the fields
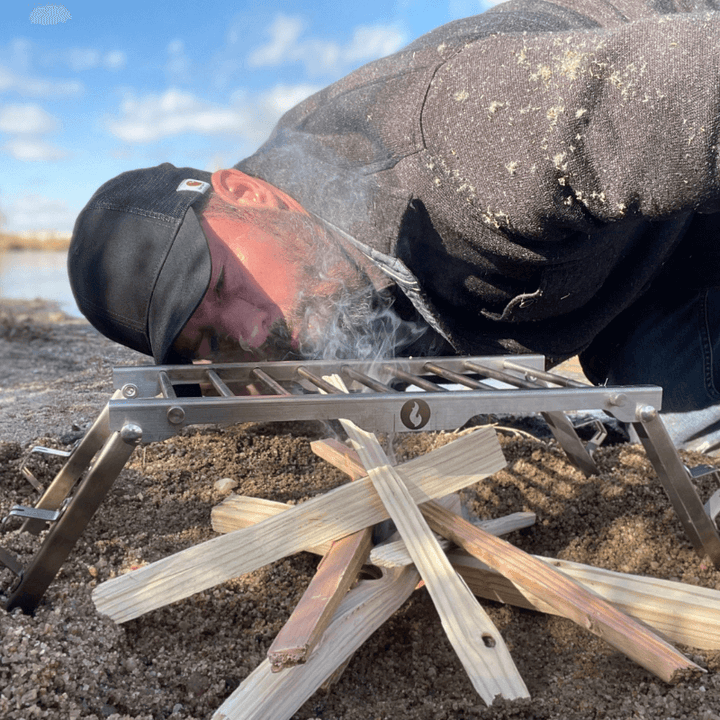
x=340 y=314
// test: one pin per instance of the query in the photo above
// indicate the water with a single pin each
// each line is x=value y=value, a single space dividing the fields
x=30 y=274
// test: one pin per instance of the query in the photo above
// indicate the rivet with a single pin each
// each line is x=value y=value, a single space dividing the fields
x=131 y=433
x=618 y=400
x=646 y=413
x=175 y=415
x=129 y=391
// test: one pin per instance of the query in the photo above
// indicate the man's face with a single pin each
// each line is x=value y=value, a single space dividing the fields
x=280 y=287
x=251 y=308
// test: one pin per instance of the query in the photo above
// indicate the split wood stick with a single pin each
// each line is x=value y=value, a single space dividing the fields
x=331 y=516
x=569 y=599
x=264 y=694
x=336 y=572
x=246 y=511
x=683 y=613
x=474 y=637
x=240 y=511
x=396 y=554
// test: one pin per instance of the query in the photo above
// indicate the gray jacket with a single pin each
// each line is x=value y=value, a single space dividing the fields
x=526 y=174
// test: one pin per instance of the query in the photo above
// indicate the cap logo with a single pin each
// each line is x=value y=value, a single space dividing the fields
x=193 y=186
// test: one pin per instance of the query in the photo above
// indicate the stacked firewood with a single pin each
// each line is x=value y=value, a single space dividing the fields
x=338 y=612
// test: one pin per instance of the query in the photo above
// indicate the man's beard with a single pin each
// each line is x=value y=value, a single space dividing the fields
x=277 y=346
x=353 y=323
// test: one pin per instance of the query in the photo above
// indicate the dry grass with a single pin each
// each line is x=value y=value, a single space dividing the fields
x=39 y=241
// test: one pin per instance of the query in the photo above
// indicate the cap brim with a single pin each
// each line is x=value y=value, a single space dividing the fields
x=180 y=288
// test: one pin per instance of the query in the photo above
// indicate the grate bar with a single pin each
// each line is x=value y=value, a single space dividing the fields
x=543 y=375
x=366 y=380
x=560 y=426
x=502 y=376
x=317 y=381
x=219 y=385
x=458 y=378
x=420 y=382
x=166 y=388
x=275 y=386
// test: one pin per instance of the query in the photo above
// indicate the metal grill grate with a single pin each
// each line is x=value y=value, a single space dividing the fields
x=389 y=396
x=153 y=403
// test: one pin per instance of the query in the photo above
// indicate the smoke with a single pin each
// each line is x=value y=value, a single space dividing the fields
x=356 y=323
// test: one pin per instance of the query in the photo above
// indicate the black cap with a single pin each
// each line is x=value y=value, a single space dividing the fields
x=139 y=263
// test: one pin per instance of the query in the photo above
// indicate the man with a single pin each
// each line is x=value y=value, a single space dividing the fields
x=540 y=178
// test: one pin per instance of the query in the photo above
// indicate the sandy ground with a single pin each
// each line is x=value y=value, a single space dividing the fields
x=181 y=662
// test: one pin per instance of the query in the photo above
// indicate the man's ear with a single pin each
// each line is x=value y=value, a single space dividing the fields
x=236 y=188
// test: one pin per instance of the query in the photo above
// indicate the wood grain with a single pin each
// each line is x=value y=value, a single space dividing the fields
x=682 y=613
x=331 y=516
x=335 y=574
x=474 y=637
x=540 y=581
x=264 y=694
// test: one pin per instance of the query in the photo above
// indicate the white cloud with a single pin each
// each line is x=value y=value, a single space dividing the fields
x=288 y=45
x=262 y=111
x=26 y=123
x=248 y=117
x=373 y=41
x=284 y=34
x=37 y=87
x=36 y=212
x=26 y=120
x=172 y=113
x=33 y=150
x=80 y=59
x=114 y=60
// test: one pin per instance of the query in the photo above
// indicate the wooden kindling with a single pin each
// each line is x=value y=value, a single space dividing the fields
x=550 y=586
x=264 y=694
x=474 y=637
x=336 y=572
x=328 y=517
x=682 y=613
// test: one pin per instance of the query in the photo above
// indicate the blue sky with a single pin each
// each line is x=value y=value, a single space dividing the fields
x=130 y=84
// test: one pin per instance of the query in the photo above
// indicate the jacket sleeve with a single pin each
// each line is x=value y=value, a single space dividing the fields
x=542 y=135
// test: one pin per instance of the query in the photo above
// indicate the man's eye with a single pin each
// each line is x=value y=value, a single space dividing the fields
x=220 y=281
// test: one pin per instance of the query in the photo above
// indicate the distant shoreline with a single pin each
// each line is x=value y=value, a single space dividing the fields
x=40 y=241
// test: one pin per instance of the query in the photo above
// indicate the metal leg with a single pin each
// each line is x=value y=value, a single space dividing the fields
x=567 y=437
x=65 y=532
x=675 y=479
x=77 y=463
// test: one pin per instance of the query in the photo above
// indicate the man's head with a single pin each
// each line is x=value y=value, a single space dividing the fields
x=277 y=276
x=183 y=265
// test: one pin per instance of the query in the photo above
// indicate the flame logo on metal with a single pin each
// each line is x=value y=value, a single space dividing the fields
x=415 y=414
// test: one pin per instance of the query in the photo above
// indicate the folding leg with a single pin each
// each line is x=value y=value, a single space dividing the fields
x=564 y=432
x=675 y=478
x=64 y=533
x=77 y=463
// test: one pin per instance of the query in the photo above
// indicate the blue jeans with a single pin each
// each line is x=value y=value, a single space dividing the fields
x=669 y=338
